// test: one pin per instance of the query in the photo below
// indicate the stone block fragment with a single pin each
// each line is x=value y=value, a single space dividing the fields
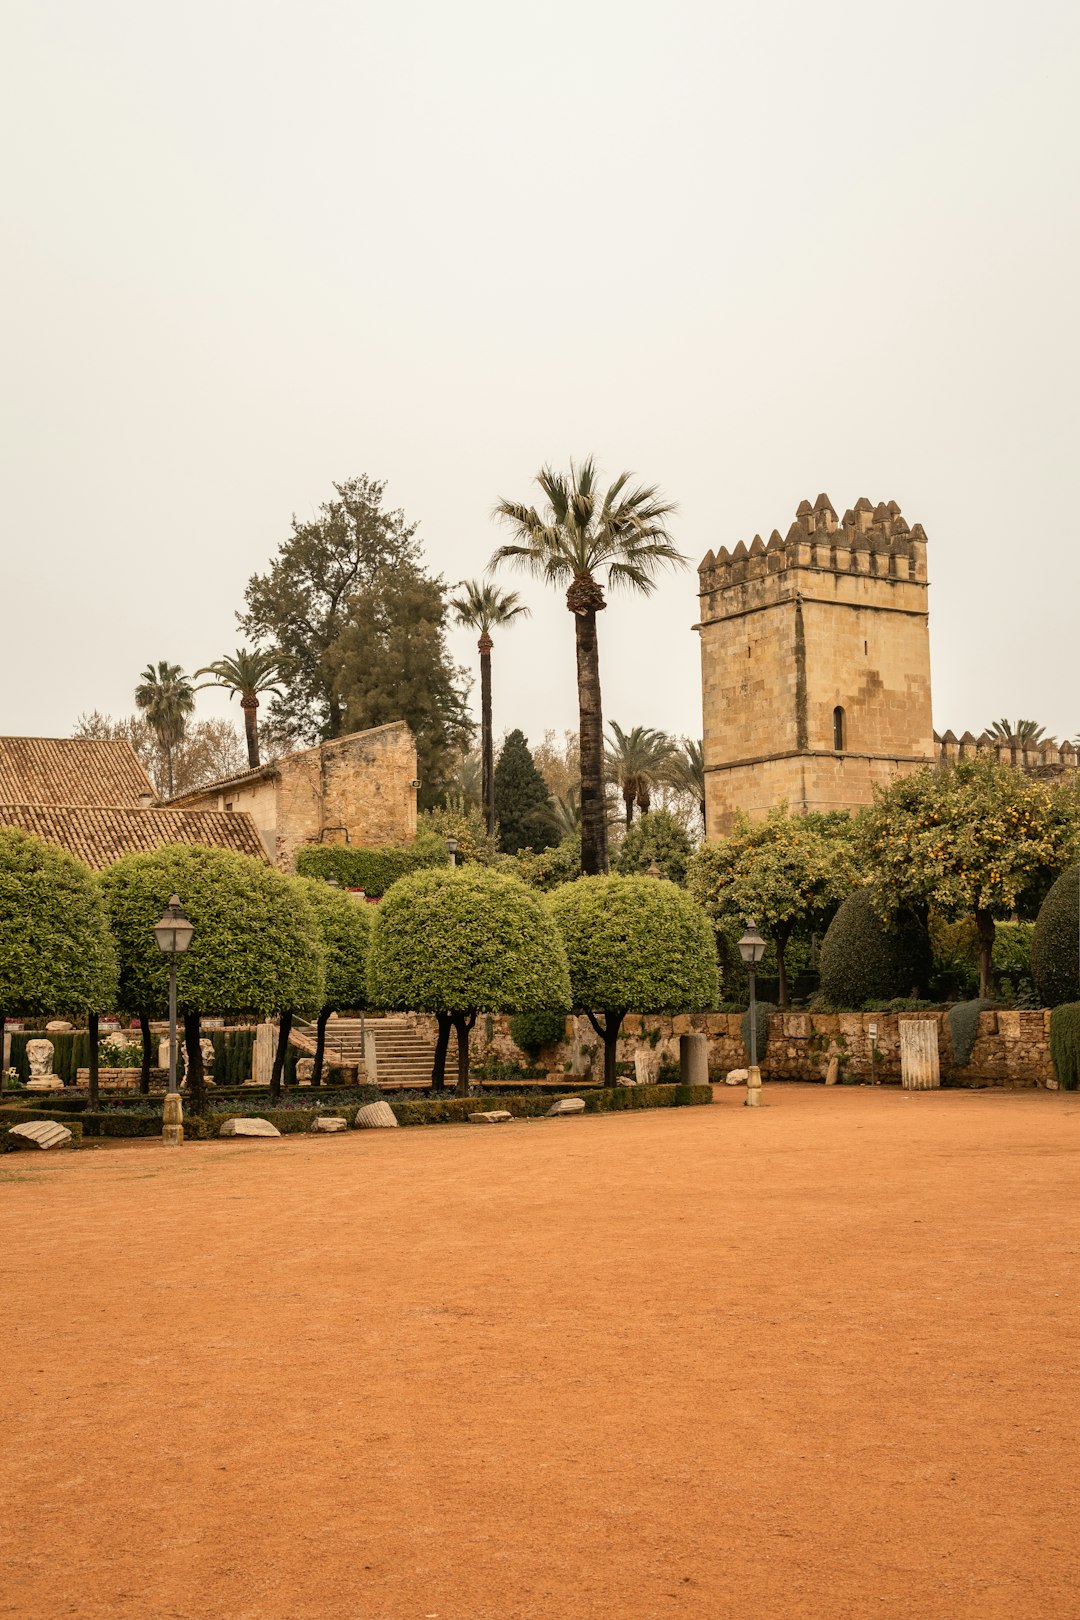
x=566 y=1105
x=40 y=1133
x=494 y=1116
x=736 y=1077
x=375 y=1116
x=693 y=1060
x=248 y=1127
x=330 y=1123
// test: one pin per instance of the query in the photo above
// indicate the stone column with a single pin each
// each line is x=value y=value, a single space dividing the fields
x=920 y=1069
x=694 y=1060
x=262 y=1057
x=753 y=1087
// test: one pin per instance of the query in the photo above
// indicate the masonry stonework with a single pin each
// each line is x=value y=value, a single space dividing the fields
x=815 y=659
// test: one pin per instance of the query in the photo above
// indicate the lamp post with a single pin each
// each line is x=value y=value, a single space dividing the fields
x=173 y=934
x=451 y=844
x=752 y=949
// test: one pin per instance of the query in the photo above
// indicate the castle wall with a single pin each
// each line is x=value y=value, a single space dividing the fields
x=357 y=790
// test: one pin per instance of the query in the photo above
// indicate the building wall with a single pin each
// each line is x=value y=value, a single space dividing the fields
x=356 y=790
x=830 y=616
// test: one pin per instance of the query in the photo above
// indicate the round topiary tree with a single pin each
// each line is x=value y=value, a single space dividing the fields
x=256 y=950
x=56 y=950
x=460 y=942
x=1055 y=951
x=657 y=836
x=344 y=925
x=634 y=944
x=865 y=959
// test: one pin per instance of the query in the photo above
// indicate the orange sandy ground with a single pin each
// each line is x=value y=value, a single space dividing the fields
x=820 y=1359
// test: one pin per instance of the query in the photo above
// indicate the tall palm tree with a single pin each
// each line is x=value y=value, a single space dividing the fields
x=249 y=673
x=583 y=531
x=686 y=771
x=485 y=608
x=566 y=808
x=1025 y=732
x=166 y=698
x=637 y=760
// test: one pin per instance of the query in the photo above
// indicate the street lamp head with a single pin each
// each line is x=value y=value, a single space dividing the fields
x=751 y=946
x=174 y=932
x=452 y=845
x=332 y=882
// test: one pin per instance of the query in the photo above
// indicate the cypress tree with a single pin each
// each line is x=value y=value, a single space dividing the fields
x=522 y=800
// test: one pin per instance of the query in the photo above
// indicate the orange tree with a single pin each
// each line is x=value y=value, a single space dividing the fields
x=789 y=873
x=969 y=839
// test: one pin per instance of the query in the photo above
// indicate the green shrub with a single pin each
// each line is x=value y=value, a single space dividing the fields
x=863 y=959
x=372 y=870
x=454 y=1110
x=763 y=1010
x=56 y=951
x=1065 y=1044
x=964 y=1028
x=551 y=867
x=657 y=836
x=1054 y=949
x=533 y=1031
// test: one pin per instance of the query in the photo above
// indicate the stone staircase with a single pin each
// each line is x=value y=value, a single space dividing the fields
x=402 y=1058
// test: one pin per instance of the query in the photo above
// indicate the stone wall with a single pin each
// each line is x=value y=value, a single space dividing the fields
x=1012 y=1048
x=357 y=790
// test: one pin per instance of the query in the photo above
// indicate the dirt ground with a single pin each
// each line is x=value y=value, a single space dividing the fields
x=820 y=1359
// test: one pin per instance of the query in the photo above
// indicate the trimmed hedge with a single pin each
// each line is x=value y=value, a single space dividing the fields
x=372 y=870
x=964 y=1029
x=1054 y=943
x=535 y=1030
x=863 y=959
x=1065 y=1044
x=605 y=1100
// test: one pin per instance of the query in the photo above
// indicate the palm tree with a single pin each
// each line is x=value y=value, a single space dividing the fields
x=686 y=771
x=166 y=698
x=582 y=532
x=248 y=673
x=638 y=759
x=484 y=607
x=566 y=809
x=1025 y=732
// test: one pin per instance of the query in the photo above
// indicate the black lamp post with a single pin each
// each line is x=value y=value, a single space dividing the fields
x=752 y=949
x=173 y=934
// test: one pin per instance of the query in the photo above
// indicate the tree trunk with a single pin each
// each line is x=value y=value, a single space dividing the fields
x=628 y=800
x=147 y=1055
x=984 y=923
x=320 y=1046
x=3 y=1065
x=780 y=940
x=250 y=706
x=193 y=1056
x=276 y=1073
x=442 y=1043
x=92 y=1060
x=608 y=1032
x=644 y=798
x=591 y=742
x=333 y=717
x=462 y=1026
x=166 y=749
x=487 y=741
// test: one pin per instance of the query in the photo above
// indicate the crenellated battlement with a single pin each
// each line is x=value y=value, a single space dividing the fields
x=1046 y=756
x=868 y=540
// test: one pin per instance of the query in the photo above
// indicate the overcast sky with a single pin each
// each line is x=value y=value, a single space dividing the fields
x=751 y=251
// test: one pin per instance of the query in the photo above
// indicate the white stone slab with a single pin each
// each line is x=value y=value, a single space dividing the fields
x=330 y=1122
x=374 y=1116
x=494 y=1116
x=248 y=1127
x=42 y=1133
x=566 y=1105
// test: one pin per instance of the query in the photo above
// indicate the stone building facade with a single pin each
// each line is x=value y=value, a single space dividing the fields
x=359 y=789
x=815 y=659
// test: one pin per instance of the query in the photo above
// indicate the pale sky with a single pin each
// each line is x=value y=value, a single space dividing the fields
x=751 y=251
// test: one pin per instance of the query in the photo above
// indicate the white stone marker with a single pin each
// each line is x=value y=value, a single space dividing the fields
x=920 y=1066
x=566 y=1106
x=753 y=1087
x=644 y=1067
x=374 y=1116
x=248 y=1127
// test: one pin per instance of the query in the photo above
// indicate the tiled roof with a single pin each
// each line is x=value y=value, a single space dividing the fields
x=71 y=771
x=240 y=779
x=99 y=835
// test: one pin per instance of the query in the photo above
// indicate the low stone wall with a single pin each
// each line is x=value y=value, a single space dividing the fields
x=1012 y=1047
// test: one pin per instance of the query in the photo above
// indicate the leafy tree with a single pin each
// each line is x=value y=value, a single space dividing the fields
x=344 y=924
x=460 y=942
x=56 y=951
x=391 y=663
x=656 y=836
x=522 y=801
x=1054 y=942
x=582 y=532
x=633 y=944
x=551 y=867
x=248 y=673
x=787 y=872
x=967 y=838
x=1027 y=732
x=256 y=947
x=637 y=760
x=686 y=771
x=863 y=959
x=466 y=780
x=165 y=696
x=456 y=820
x=482 y=606
x=303 y=603
x=560 y=766
x=208 y=750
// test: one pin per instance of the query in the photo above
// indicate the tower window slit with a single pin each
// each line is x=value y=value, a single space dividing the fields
x=838 y=729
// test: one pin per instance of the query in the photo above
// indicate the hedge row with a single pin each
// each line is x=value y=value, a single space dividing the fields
x=372 y=870
x=603 y=1100
x=1065 y=1044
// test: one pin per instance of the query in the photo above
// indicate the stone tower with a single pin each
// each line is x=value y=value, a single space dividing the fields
x=815 y=663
